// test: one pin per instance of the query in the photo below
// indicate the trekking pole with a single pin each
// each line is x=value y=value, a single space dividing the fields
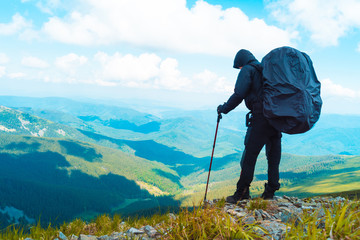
x=212 y=154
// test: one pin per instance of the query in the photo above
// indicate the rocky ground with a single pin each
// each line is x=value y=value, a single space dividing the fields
x=274 y=218
x=279 y=212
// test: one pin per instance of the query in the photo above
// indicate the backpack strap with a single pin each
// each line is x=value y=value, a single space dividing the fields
x=258 y=105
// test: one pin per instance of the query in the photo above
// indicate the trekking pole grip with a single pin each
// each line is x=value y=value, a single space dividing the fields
x=219 y=117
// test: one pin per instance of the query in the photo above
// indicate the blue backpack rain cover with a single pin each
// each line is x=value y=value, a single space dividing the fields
x=291 y=90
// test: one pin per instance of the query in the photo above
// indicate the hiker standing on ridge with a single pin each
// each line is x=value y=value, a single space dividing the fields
x=259 y=133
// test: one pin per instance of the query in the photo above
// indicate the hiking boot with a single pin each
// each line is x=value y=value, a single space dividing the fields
x=268 y=193
x=238 y=196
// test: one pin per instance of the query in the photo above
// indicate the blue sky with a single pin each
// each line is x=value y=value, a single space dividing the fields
x=175 y=52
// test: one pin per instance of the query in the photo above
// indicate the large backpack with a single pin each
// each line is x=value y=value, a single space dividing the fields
x=291 y=90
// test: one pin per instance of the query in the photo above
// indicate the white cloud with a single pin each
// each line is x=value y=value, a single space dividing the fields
x=358 y=48
x=212 y=82
x=329 y=88
x=326 y=20
x=170 y=77
x=166 y=24
x=16 y=75
x=129 y=67
x=339 y=99
x=150 y=71
x=18 y=23
x=144 y=71
x=2 y=71
x=70 y=63
x=34 y=62
x=78 y=29
x=3 y=58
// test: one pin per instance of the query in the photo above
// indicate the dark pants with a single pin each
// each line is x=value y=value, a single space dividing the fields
x=260 y=133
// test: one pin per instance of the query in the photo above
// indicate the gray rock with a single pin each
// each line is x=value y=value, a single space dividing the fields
x=321 y=213
x=73 y=237
x=239 y=209
x=261 y=232
x=277 y=198
x=134 y=231
x=265 y=215
x=274 y=228
x=231 y=212
x=285 y=204
x=310 y=205
x=112 y=237
x=105 y=237
x=151 y=232
x=229 y=206
x=339 y=199
x=307 y=207
x=172 y=216
x=287 y=198
x=249 y=220
x=117 y=235
x=258 y=215
x=288 y=216
x=87 y=237
x=243 y=203
x=240 y=214
x=62 y=236
x=277 y=216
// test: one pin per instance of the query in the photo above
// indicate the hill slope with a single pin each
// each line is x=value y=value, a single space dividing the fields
x=301 y=176
x=60 y=179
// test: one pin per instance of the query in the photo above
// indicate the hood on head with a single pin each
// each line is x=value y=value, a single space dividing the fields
x=243 y=57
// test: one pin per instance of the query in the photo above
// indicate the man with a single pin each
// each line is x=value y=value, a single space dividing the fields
x=259 y=133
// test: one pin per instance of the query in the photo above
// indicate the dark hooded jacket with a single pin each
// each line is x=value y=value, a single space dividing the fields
x=248 y=84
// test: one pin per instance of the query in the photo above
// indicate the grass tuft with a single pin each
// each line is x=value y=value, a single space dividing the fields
x=208 y=223
x=341 y=221
x=258 y=203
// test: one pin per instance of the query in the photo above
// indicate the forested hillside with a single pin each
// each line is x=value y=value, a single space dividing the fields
x=61 y=179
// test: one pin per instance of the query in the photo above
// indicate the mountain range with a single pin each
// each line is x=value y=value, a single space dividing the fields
x=182 y=129
x=90 y=158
